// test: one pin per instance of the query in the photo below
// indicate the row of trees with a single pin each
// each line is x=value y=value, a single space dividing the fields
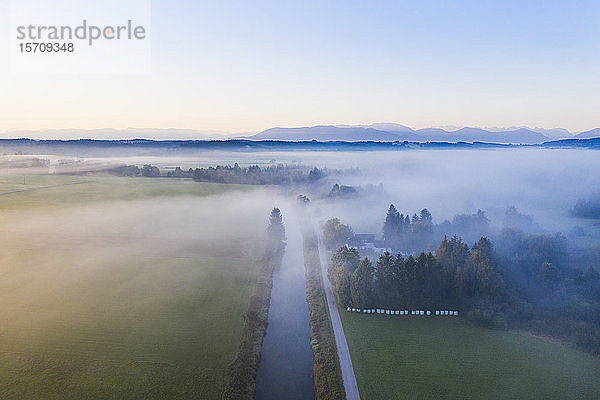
x=256 y=175
x=455 y=277
x=147 y=170
x=525 y=281
x=587 y=208
x=252 y=175
x=403 y=233
x=240 y=377
x=409 y=234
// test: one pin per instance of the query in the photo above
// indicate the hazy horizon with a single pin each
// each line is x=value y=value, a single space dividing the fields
x=247 y=67
x=171 y=133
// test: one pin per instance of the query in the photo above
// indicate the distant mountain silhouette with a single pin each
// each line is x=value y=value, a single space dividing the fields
x=116 y=134
x=520 y=135
x=553 y=133
x=594 y=133
x=389 y=132
x=327 y=133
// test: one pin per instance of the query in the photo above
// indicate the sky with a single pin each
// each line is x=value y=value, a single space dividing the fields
x=243 y=67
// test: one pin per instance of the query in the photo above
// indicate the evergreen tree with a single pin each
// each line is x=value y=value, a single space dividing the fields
x=276 y=229
x=391 y=226
x=415 y=218
x=485 y=246
x=361 y=285
x=452 y=254
x=384 y=280
x=426 y=217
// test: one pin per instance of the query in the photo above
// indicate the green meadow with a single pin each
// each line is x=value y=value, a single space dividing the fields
x=435 y=358
x=116 y=288
x=48 y=190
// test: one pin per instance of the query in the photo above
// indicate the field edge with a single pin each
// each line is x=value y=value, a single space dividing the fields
x=327 y=373
x=240 y=378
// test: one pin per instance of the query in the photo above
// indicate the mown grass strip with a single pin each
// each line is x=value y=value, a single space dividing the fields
x=328 y=380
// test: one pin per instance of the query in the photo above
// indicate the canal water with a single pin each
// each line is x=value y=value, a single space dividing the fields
x=286 y=366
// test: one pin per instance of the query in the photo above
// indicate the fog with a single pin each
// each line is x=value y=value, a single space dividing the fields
x=544 y=183
x=541 y=183
x=92 y=265
x=161 y=270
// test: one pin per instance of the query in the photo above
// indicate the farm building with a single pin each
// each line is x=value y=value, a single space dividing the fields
x=367 y=245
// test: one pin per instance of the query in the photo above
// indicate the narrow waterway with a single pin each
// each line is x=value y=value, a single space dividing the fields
x=286 y=366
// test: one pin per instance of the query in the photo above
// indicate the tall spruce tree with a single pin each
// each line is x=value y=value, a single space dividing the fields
x=276 y=229
x=391 y=226
x=361 y=285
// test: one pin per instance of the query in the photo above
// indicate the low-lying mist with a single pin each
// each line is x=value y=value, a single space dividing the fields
x=120 y=259
x=542 y=183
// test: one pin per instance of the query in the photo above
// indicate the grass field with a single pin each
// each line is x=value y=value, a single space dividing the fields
x=419 y=358
x=43 y=191
x=124 y=287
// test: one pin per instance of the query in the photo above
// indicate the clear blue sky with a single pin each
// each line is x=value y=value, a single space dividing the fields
x=246 y=66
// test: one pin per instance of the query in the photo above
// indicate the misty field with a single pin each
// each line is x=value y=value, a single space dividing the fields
x=419 y=358
x=44 y=191
x=124 y=287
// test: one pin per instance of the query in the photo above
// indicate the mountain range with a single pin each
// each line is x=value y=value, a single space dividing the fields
x=594 y=133
x=390 y=132
x=378 y=132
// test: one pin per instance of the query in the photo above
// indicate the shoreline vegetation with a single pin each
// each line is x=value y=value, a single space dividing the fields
x=240 y=378
x=327 y=372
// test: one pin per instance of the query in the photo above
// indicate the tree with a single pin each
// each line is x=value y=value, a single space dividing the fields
x=384 y=280
x=361 y=285
x=485 y=246
x=276 y=229
x=340 y=278
x=471 y=226
x=410 y=289
x=340 y=268
x=150 y=171
x=426 y=217
x=391 y=226
x=336 y=234
x=315 y=174
x=346 y=257
x=484 y=280
x=429 y=280
x=452 y=254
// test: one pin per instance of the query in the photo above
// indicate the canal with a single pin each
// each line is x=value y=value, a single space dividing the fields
x=286 y=366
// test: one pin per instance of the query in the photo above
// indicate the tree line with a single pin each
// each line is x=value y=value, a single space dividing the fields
x=455 y=277
x=234 y=174
x=411 y=233
x=508 y=279
x=256 y=175
x=240 y=378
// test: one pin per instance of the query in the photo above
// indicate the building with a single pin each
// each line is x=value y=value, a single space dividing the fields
x=367 y=245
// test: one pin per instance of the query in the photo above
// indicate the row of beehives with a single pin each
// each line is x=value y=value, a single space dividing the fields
x=401 y=312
